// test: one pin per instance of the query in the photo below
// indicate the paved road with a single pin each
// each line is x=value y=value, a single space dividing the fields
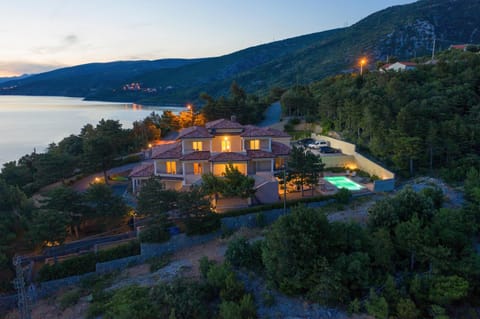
x=83 y=184
x=272 y=115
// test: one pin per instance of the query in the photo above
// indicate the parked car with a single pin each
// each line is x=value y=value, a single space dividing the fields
x=318 y=144
x=304 y=142
x=328 y=150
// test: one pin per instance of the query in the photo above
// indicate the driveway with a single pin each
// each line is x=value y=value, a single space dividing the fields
x=82 y=184
x=272 y=115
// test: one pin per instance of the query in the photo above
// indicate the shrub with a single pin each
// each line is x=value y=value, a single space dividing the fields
x=354 y=307
x=189 y=299
x=217 y=274
x=155 y=233
x=343 y=196
x=376 y=306
x=435 y=194
x=406 y=309
x=71 y=267
x=130 y=302
x=245 y=309
x=130 y=249
x=157 y=263
x=203 y=225
x=233 y=290
x=243 y=254
x=205 y=265
x=86 y=263
x=294 y=121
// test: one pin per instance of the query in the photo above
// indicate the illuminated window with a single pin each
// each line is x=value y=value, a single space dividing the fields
x=197 y=146
x=226 y=145
x=197 y=168
x=254 y=144
x=171 y=167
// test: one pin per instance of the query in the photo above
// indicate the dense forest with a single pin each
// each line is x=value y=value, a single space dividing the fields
x=420 y=120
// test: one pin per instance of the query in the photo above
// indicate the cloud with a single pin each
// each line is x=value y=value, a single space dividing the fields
x=64 y=43
x=13 y=68
x=70 y=39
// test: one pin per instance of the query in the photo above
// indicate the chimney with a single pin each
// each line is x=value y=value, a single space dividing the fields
x=233 y=118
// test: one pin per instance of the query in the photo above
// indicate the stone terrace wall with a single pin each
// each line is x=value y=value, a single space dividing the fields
x=176 y=243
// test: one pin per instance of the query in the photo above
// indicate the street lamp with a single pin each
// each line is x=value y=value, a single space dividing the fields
x=363 y=62
x=190 y=107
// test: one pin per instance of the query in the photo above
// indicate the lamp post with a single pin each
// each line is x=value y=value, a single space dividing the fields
x=363 y=61
x=190 y=107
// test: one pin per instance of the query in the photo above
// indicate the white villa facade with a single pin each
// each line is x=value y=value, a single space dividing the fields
x=254 y=151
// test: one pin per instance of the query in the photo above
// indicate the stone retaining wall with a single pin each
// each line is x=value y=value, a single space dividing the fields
x=176 y=243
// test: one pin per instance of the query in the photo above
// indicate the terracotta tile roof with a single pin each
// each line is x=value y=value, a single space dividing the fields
x=194 y=132
x=259 y=154
x=173 y=150
x=459 y=46
x=254 y=131
x=279 y=149
x=223 y=124
x=277 y=133
x=196 y=156
x=229 y=157
x=142 y=170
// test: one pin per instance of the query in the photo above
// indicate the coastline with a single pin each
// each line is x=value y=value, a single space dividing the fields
x=33 y=122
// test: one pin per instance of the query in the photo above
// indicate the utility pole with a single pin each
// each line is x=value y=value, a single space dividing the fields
x=433 y=49
x=284 y=188
x=19 y=283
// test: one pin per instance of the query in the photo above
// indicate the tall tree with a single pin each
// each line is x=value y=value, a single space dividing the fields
x=104 y=202
x=48 y=227
x=70 y=202
x=154 y=199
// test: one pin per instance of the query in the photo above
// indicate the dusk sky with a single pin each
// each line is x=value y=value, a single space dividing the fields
x=36 y=36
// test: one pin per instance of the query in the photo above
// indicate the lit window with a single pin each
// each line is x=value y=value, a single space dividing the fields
x=254 y=144
x=197 y=146
x=171 y=167
x=226 y=145
x=197 y=168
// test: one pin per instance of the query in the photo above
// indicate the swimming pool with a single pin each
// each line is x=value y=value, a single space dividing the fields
x=343 y=182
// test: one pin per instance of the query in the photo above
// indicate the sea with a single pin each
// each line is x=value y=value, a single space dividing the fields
x=31 y=123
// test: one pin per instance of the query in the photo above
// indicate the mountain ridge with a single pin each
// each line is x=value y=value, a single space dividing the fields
x=404 y=31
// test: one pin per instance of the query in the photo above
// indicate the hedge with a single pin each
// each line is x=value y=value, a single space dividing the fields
x=86 y=263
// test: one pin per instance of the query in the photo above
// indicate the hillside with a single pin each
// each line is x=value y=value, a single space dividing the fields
x=86 y=79
x=403 y=31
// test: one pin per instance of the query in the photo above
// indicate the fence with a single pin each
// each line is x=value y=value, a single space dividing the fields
x=150 y=250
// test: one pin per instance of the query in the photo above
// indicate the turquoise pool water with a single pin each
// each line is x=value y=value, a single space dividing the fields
x=343 y=182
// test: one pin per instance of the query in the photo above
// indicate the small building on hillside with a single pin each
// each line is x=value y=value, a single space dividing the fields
x=461 y=47
x=254 y=151
x=399 y=66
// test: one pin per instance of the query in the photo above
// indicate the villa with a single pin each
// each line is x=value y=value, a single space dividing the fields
x=254 y=151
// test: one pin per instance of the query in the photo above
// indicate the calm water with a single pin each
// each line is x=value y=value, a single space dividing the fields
x=28 y=122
